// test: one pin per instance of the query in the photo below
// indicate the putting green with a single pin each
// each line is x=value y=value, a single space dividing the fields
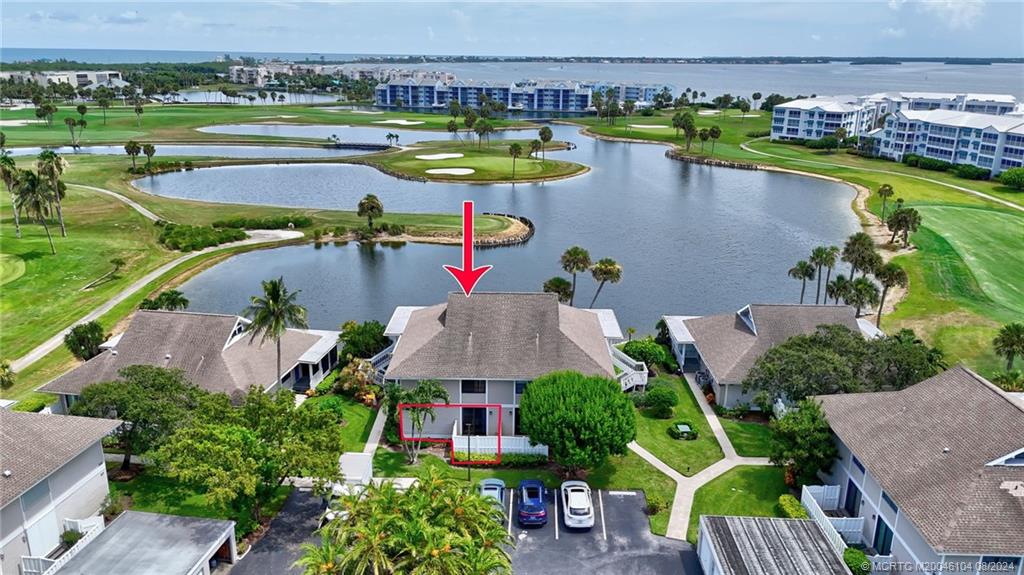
x=991 y=242
x=12 y=267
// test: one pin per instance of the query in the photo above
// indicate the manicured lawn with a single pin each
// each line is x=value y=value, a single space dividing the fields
x=628 y=472
x=744 y=490
x=749 y=438
x=491 y=162
x=686 y=457
x=159 y=494
x=358 y=421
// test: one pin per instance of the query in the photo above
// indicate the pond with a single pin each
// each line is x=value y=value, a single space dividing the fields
x=691 y=239
x=207 y=150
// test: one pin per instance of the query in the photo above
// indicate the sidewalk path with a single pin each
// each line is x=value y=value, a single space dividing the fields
x=982 y=195
x=376 y=431
x=686 y=487
x=255 y=237
x=131 y=203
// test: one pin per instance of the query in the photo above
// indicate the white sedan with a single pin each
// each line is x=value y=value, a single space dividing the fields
x=577 y=505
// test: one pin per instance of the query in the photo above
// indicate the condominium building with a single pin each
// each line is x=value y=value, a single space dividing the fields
x=550 y=96
x=815 y=118
x=75 y=78
x=984 y=140
x=254 y=75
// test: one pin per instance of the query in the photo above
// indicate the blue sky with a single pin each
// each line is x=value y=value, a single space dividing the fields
x=568 y=28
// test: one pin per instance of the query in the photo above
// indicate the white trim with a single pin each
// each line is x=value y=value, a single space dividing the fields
x=54 y=503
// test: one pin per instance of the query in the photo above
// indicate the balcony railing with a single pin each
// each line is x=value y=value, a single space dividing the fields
x=380 y=362
x=90 y=527
x=818 y=515
x=489 y=444
x=826 y=497
x=632 y=373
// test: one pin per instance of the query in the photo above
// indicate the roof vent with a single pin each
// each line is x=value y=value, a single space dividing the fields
x=945 y=450
x=168 y=356
x=113 y=352
x=7 y=472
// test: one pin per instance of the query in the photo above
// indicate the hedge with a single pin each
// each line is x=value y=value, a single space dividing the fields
x=507 y=459
x=187 y=238
x=970 y=172
x=792 y=508
x=857 y=561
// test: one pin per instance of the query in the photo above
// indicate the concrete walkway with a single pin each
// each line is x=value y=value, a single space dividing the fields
x=686 y=487
x=376 y=431
x=131 y=203
x=982 y=195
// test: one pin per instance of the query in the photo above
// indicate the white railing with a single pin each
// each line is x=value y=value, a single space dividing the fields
x=90 y=527
x=489 y=444
x=380 y=362
x=827 y=496
x=819 y=517
x=632 y=374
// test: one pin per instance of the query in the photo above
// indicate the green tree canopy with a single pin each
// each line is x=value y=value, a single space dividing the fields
x=240 y=456
x=83 y=341
x=561 y=287
x=363 y=340
x=582 y=419
x=151 y=401
x=802 y=443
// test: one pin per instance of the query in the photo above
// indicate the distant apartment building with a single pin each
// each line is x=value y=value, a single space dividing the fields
x=547 y=96
x=77 y=79
x=983 y=140
x=252 y=75
x=815 y=118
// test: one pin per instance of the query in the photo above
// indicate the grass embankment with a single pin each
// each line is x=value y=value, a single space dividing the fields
x=179 y=122
x=748 y=438
x=491 y=163
x=154 y=493
x=745 y=490
x=969 y=263
x=627 y=472
x=685 y=456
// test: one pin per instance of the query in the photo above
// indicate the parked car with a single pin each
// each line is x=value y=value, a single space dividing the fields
x=577 y=505
x=494 y=489
x=533 y=507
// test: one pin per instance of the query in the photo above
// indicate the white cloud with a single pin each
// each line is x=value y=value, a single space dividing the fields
x=894 y=32
x=896 y=4
x=430 y=33
x=955 y=14
x=127 y=17
x=816 y=37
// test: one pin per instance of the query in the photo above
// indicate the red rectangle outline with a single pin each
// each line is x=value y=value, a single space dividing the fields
x=451 y=444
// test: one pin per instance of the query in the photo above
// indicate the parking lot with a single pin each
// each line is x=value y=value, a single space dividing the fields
x=620 y=541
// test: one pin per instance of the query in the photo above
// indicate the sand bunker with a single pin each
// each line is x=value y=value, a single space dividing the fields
x=359 y=112
x=749 y=116
x=707 y=113
x=12 y=123
x=656 y=126
x=451 y=171
x=438 y=156
x=278 y=116
x=400 y=122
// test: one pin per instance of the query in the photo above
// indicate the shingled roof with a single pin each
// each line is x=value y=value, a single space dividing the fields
x=34 y=445
x=771 y=546
x=930 y=446
x=730 y=343
x=200 y=344
x=500 y=336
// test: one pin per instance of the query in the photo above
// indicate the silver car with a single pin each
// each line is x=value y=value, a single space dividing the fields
x=494 y=489
x=577 y=505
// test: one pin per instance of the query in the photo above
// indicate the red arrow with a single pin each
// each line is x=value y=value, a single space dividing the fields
x=467 y=275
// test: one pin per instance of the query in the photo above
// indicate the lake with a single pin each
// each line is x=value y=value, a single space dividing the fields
x=691 y=239
x=200 y=150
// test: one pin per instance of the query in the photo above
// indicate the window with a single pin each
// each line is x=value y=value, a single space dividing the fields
x=521 y=387
x=858 y=464
x=474 y=386
x=888 y=501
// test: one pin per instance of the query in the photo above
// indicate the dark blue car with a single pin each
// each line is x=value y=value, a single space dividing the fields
x=533 y=507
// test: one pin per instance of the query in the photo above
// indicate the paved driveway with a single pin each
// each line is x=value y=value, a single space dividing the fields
x=620 y=542
x=279 y=549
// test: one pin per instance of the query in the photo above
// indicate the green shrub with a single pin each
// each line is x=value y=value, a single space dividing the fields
x=674 y=433
x=926 y=163
x=70 y=537
x=327 y=385
x=647 y=112
x=759 y=133
x=655 y=504
x=646 y=350
x=266 y=223
x=84 y=340
x=970 y=172
x=340 y=231
x=113 y=506
x=857 y=561
x=791 y=507
x=661 y=400
x=333 y=403
x=639 y=399
x=1014 y=178
x=364 y=233
x=317 y=234
x=509 y=460
x=188 y=238
x=33 y=404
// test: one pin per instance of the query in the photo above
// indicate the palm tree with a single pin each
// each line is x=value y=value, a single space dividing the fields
x=561 y=287
x=840 y=135
x=802 y=271
x=890 y=275
x=51 y=166
x=453 y=128
x=704 y=134
x=822 y=257
x=9 y=175
x=150 y=151
x=575 y=260
x=1009 y=342
x=545 y=134
x=71 y=123
x=370 y=207
x=133 y=149
x=515 y=150
x=1012 y=381
x=535 y=146
x=885 y=192
x=33 y=196
x=855 y=251
x=173 y=300
x=7 y=375
x=715 y=132
x=604 y=271
x=677 y=122
x=837 y=288
x=138 y=113
x=862 y=293
x=628 y=107
x=320 y=559
x=273 y=314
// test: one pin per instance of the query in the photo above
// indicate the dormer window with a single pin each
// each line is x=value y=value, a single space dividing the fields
x=748 y=318
x=1015 y=459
